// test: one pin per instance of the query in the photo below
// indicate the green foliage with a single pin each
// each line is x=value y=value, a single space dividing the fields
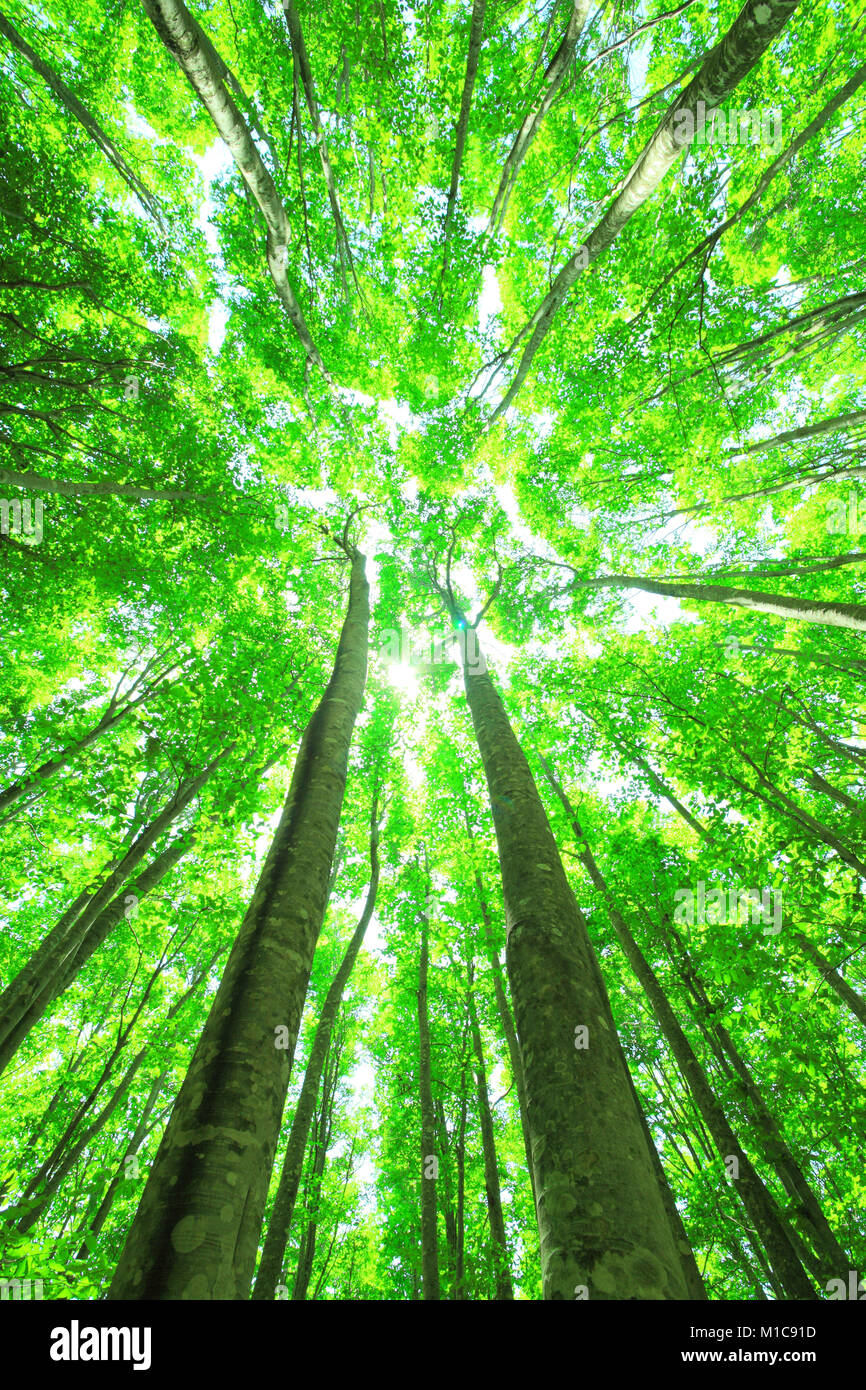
x=191 y=470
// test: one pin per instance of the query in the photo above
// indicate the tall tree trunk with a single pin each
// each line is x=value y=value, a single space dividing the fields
x=833 y=1260
x=603 y=1225
x=321 y=1144
x=492 y=1188
x=429 y=1158
x=196 y=1232
x=476 y=34
x=757 y=1200
x=273 y=1254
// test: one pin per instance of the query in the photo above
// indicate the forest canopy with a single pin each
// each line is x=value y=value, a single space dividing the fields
x=432 y=748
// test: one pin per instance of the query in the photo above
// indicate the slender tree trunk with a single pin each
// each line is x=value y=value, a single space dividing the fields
x=855 y=419
x=63 y=487
x=797 y=813
x=807 y=610
x=834 y=1262
x=506 y=1019
x=446 y=1200
x=183 y=37
x=655 y=780
x=196 y=1232
x=725 y=66
x=499 y=1241
x=350 y=1160
x=80 y=113
x=460 y=1149
x=691 y=1273
x=755 y=1197
x=78 y=955
x=321 y=1144
x=36 y=779
x=46 y=1182
x=301 y=57
x=603 y=1225
x=856 y=1003
x=476 y=34
x=850 y=803
x=429 y=1158
x=91 y=1228
x=273 y=1254
x=48 y=970
x=73 y=1141
x=742 y=1259
x=552 y=81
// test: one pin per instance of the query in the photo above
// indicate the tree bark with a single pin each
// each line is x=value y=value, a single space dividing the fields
x=476 y=34
x=856 y=1003
x=602 y=1223
x=196 y=1232
x=183 y=38
x=429 y=1158
x=492 y=1188
x=724 y=67
x=754 y=1195
x=273 y=1253
x=26 y=998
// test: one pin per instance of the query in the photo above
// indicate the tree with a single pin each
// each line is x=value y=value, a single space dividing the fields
x=320 y=330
